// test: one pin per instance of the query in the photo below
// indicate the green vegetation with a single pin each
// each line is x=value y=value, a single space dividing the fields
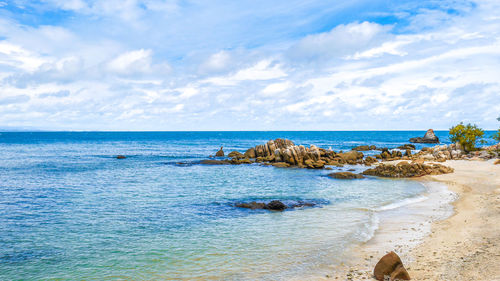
x=467 y=135
x=496 y=136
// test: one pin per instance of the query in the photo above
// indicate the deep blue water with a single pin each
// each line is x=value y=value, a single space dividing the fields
x=70 y=211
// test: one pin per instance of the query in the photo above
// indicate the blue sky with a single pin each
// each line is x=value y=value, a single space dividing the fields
x=248 y=65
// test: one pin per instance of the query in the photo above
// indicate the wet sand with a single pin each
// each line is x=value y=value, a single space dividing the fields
x=436 y=240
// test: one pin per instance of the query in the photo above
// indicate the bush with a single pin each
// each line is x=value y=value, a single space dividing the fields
x=466 y=135
x=496 y=136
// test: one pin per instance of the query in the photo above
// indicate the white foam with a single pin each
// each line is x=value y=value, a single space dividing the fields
x=403 y=202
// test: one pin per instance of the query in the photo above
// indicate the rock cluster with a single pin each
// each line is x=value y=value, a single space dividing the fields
x=284 y=153
x=274 y=205
x=364 y=148
x=442 y=152
x=429 y=137
x=404 y=169
x=390 y=267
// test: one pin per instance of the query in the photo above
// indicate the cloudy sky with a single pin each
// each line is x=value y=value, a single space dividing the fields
x=249 y=65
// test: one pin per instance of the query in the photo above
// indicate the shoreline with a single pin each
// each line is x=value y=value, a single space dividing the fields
x=457 y=238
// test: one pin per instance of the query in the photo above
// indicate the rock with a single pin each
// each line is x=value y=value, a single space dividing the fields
x=215 y=162
x=370 y=160
x=276 y=205
x=400 y=273
x=429 y=137
x=250 y=153
x=345 y=175
x=497 y=162
x=351 y=157
x=120 y=157
x=220 y=153
x=281 y=165
x=361 y=148
x=235 y=154
x=406 y=146
x=404 y=170
x=252 y=205
x=311 y=164
x=389 y=264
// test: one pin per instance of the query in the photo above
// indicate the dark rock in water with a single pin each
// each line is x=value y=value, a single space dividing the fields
x=250 y=153
x=364 y=148
x=215 y=162
x=301 y=204
x=429 y=137
x=276 y=205
x=388 y=265
x=345 y=175
x=406 y=146
x=281 y=165
x=220 y=153
x=120 y=157
x=252 y=205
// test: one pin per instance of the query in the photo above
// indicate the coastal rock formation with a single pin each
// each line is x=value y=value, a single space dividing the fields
x=120 y=157
x=274 y=205
x=220 y=153
x=364 y=148
x=345 y=175
x=391 y=266
x=406 y=147
x=405 y=170
x=429 y=137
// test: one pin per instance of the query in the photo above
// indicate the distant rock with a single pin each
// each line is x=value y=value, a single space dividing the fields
x=121 y=157
x=406 y=170
x=407 y=146
x=220 y=153
x=390 y=266
x=235 y=154
x=364 y=148
x=345 y=175
x=429 y=137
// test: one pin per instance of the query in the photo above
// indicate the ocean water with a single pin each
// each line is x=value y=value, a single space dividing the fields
x=70 y=211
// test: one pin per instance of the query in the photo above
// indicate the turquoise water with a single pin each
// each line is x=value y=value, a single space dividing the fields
x=70 y=211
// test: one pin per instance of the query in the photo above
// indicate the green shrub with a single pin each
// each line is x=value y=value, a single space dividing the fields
x=496 y=136
x=467 y=135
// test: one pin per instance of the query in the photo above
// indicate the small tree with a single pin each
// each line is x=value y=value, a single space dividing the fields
x=466 y=135
x=496 y=136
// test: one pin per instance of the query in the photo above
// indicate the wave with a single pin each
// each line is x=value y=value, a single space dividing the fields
x=403 y=202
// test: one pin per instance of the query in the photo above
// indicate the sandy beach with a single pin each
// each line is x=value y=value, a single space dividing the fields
x=436 y=242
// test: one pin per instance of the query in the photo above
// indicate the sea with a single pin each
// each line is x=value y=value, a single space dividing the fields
x=69 y=210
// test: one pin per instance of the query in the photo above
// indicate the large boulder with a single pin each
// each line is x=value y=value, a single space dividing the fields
x=250 y=153
x=235 y=154
x=405 y=170
x=429 y=137
x=390 y=265
x=345 y=175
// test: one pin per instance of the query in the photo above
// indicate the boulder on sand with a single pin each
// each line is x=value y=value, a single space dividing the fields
x=220 y=153
x=429 y=137
x=405 y=170
x=392 y=266
x=345 y=175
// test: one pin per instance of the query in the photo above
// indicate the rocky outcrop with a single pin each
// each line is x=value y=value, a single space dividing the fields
x=345 y=175
x=274 y=205
x=390 y=267
x=364 y=148
x=429 y=137
x=404 y=169
x=406 y=147
x=220 y=153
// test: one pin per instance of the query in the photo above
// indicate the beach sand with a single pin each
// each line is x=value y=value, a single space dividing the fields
x=436 y=240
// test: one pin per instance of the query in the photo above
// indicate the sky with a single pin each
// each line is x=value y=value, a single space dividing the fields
x=173 y=65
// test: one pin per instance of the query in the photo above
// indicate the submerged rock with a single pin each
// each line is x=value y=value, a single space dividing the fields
x=274 y=205
x=120 y=157
x=345 y=175
x=391 y=266
x=215 y=162
x=429 y=137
